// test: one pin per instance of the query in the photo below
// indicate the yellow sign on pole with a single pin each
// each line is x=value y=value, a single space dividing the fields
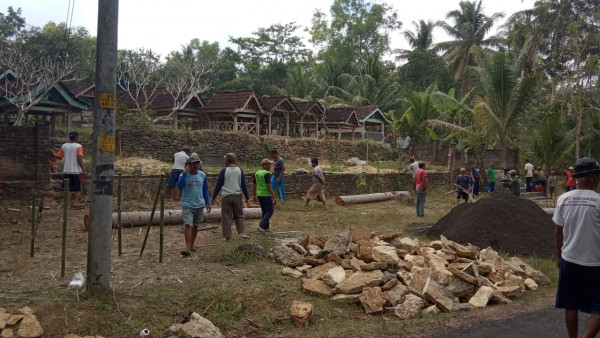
x=107 y=100
x=106 y=143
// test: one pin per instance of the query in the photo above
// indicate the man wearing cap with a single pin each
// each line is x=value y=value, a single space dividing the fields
x=233 y=182
x=571 y=181
x=73 y=168
x=463 y=182
x=263 y=191
x=195 y=197
x=277 y=178
x=577 y=218
x=421 y=187
x=179 y=161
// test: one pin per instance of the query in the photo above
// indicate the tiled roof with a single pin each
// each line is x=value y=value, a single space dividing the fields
x=309 y=107
x=338 y=114
x=86 y=89
x=230 y=100
x=157 y=98
x=280 y=102
x=362 y=112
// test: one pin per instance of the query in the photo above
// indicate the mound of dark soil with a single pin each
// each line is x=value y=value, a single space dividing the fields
x=504 y=222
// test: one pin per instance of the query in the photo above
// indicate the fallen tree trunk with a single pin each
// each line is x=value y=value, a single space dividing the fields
x=549 y=211
x=141 y=218
x=376 y=197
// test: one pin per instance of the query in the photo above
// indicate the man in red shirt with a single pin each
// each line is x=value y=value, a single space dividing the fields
x=421 y=187
x=571 y=181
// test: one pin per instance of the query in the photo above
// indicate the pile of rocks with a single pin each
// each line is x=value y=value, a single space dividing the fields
x=403 y=275
x=21 y=324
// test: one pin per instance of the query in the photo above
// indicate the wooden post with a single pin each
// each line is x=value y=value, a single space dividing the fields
x=152 y=214
x=64 y=227
x=287 y=124
x=33 y=224
x=235 y=123
x=162 y=224
x=269 y=131
x=119 y=238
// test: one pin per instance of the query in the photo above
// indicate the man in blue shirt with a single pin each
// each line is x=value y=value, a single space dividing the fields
x=463 y=182
x=194 y=198
x=277 y=178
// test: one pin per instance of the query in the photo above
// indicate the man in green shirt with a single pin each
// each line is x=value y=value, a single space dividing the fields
x=263 y=190
x=491 y=175
x=514 y=187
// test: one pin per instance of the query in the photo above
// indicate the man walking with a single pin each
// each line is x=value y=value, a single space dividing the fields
x=528 y=176
x=277 y=179
x=179 y=161
x=73 y=168
x=233 y=182
x=463 y=182
x=263 y=191
x=491 y=175
x=475 y=177
x=195 y=197
x=318 y=179
x=421 y=187
x=577 y=216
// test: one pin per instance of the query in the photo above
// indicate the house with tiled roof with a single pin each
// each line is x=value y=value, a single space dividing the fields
x=342 y=121
x=282 y=116
x=311 y=118
x=170 y=107
x=235 y=111
x=372 y=123
x=56 y=104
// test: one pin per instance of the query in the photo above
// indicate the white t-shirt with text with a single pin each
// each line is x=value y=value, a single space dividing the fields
x=528 y=170
x=578 y=212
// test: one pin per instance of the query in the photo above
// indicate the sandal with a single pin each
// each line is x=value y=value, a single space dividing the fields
x=185 y=253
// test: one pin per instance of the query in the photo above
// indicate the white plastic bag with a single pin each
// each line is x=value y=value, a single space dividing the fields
x=77 y=281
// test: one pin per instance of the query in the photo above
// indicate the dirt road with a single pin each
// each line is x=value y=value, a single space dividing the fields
x=547 y=322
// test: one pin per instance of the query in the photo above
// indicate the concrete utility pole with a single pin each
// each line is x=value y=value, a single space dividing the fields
x=103 y=154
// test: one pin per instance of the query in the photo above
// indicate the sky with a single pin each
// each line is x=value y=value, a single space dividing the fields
x=166 y=25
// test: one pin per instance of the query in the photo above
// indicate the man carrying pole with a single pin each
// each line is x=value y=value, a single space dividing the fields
x=463 y=182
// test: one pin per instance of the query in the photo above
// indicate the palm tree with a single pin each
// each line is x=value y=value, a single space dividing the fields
x=422 y=39
x=469 y=31
x=507 y=96
x=420 y=109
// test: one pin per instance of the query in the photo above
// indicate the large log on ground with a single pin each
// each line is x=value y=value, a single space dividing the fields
x=376 y=197
x=141 y=218
x=549 y=211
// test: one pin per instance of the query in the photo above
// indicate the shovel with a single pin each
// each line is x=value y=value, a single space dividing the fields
x=471 y=196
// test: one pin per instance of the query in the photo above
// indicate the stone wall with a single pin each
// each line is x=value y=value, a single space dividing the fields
x=248 y=148
x=23 y=159
x=432 y=153
x=144 y=187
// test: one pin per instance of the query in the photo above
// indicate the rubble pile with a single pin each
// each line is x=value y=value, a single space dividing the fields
x=23 y=323
x=404 y=276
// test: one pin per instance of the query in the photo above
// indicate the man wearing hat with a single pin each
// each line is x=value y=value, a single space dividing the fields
x=195 y=197
x=73 y=168
x=421 y=187
x=577 y=218
x=179 y=161
x=263 y=191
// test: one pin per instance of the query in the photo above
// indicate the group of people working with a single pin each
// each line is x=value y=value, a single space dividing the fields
x=231 y=184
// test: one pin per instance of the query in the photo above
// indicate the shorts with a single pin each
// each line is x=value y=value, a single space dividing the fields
x=74 y=182
x=462 y=194
x=316 y=193
x=192 y=216
x=173 y=178
x=552 y=189
x=578 y=287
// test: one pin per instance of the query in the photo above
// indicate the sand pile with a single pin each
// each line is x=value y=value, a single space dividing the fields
x=507 y=223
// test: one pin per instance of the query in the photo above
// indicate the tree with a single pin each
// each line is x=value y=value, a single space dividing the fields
x=507 y=96
x=420 y=109
x=33 y=76
x=469 y=31
x=422 y=40
x=11 y=24
x=139 y=74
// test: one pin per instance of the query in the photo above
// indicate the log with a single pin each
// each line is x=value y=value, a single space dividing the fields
x=370 y=198
x=173 y=217
x=549 y=211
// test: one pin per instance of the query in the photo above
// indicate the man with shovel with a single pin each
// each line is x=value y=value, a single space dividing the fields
x=463 y=186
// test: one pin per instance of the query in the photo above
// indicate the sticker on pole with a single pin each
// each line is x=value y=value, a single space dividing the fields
x=107 y=100
x=106 y=143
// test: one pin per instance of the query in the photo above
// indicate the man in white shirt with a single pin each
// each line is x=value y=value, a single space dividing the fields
x=577 y=218
x=528 y=176
x=179 y=161
x=413 y=166
x=73 y=169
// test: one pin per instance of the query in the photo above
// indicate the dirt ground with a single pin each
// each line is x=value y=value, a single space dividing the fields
x=243 y=296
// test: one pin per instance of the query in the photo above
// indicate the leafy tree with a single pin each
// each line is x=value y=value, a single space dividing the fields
x=11 y=24
x=469 y=29
x=420 y=109
x=422 y=40
x=301 y=81
x=139 y=74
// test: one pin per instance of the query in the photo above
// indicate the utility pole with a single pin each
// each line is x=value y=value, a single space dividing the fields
x=103 y=154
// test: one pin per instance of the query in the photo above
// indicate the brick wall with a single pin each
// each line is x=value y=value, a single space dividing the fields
x=23 y=159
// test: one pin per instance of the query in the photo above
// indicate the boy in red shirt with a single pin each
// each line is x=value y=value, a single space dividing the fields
x=571 y=181
x=421 y=187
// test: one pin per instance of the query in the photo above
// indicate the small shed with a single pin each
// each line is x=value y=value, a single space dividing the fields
x=234 y=110
x=342 y=121
x=311 y=115
x=282 y=116
x=372 y=123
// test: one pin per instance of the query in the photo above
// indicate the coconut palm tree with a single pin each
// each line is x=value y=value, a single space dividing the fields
x=469 y=31
x=421 y=39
